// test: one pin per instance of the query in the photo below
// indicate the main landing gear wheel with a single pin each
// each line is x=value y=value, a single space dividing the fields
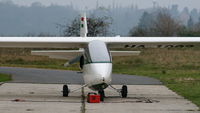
x=102 y=95
x=124 y=91
x=65 y=91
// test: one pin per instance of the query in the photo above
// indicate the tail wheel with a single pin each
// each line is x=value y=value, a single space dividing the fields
x=65 y=91
x=124 y=91
x=102 y=94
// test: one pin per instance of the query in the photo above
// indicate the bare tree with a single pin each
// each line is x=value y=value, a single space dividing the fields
x=143 y=28
x=156 y=24
x=73 y=28
x=196 y=27
x=97 y=26
x=165 y=25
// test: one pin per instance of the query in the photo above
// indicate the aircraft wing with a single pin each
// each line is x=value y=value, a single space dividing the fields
x=112 y=42
x=153 y=42
x=43 y=42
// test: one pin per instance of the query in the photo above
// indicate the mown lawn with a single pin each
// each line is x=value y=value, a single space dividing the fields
x=179 y=70
x=4 y=77
x=182 y=81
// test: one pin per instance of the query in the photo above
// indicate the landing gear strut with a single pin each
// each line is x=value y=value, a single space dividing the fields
x=65 y=91
x=123 y=91
x=102 y=94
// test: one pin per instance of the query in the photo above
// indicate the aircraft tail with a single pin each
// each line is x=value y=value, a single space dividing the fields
x=83 y=26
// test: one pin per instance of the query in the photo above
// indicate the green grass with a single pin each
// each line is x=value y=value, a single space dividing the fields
x=184 y=81
x=4 y=77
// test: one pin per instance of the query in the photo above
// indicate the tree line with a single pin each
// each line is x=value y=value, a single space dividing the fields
x=161 y=23
x=155 y=24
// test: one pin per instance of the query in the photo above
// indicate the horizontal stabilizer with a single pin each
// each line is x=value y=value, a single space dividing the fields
x=124 y=53
x=59 y=54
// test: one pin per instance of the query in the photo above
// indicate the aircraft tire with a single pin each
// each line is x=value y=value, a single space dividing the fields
x=65 y=91
x=124 y=91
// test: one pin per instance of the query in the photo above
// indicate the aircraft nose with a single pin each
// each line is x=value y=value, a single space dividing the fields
x=106 y=78
x=103 y=72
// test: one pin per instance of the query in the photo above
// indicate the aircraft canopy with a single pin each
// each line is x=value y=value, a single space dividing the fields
x=98 y=52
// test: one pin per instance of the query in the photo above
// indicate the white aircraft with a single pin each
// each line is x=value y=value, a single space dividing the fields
x=94 y=55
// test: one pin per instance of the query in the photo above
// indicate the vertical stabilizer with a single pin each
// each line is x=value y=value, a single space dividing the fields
x=83 y=26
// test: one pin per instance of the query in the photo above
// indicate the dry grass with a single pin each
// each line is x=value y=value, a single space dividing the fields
x=166 y=58
x=24 y=54
x=23 y=58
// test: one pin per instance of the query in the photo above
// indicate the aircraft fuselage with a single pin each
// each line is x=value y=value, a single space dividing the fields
x=97 y=68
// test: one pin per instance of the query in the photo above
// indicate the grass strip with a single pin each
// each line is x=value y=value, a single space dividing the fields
x=5 y=77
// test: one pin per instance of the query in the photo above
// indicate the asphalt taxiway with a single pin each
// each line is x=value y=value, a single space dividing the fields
x=33 y=75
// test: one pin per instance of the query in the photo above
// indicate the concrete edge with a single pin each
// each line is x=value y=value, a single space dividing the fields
x=1 y=83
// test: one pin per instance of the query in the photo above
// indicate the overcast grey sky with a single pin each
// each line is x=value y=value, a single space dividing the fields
x=81 y=4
